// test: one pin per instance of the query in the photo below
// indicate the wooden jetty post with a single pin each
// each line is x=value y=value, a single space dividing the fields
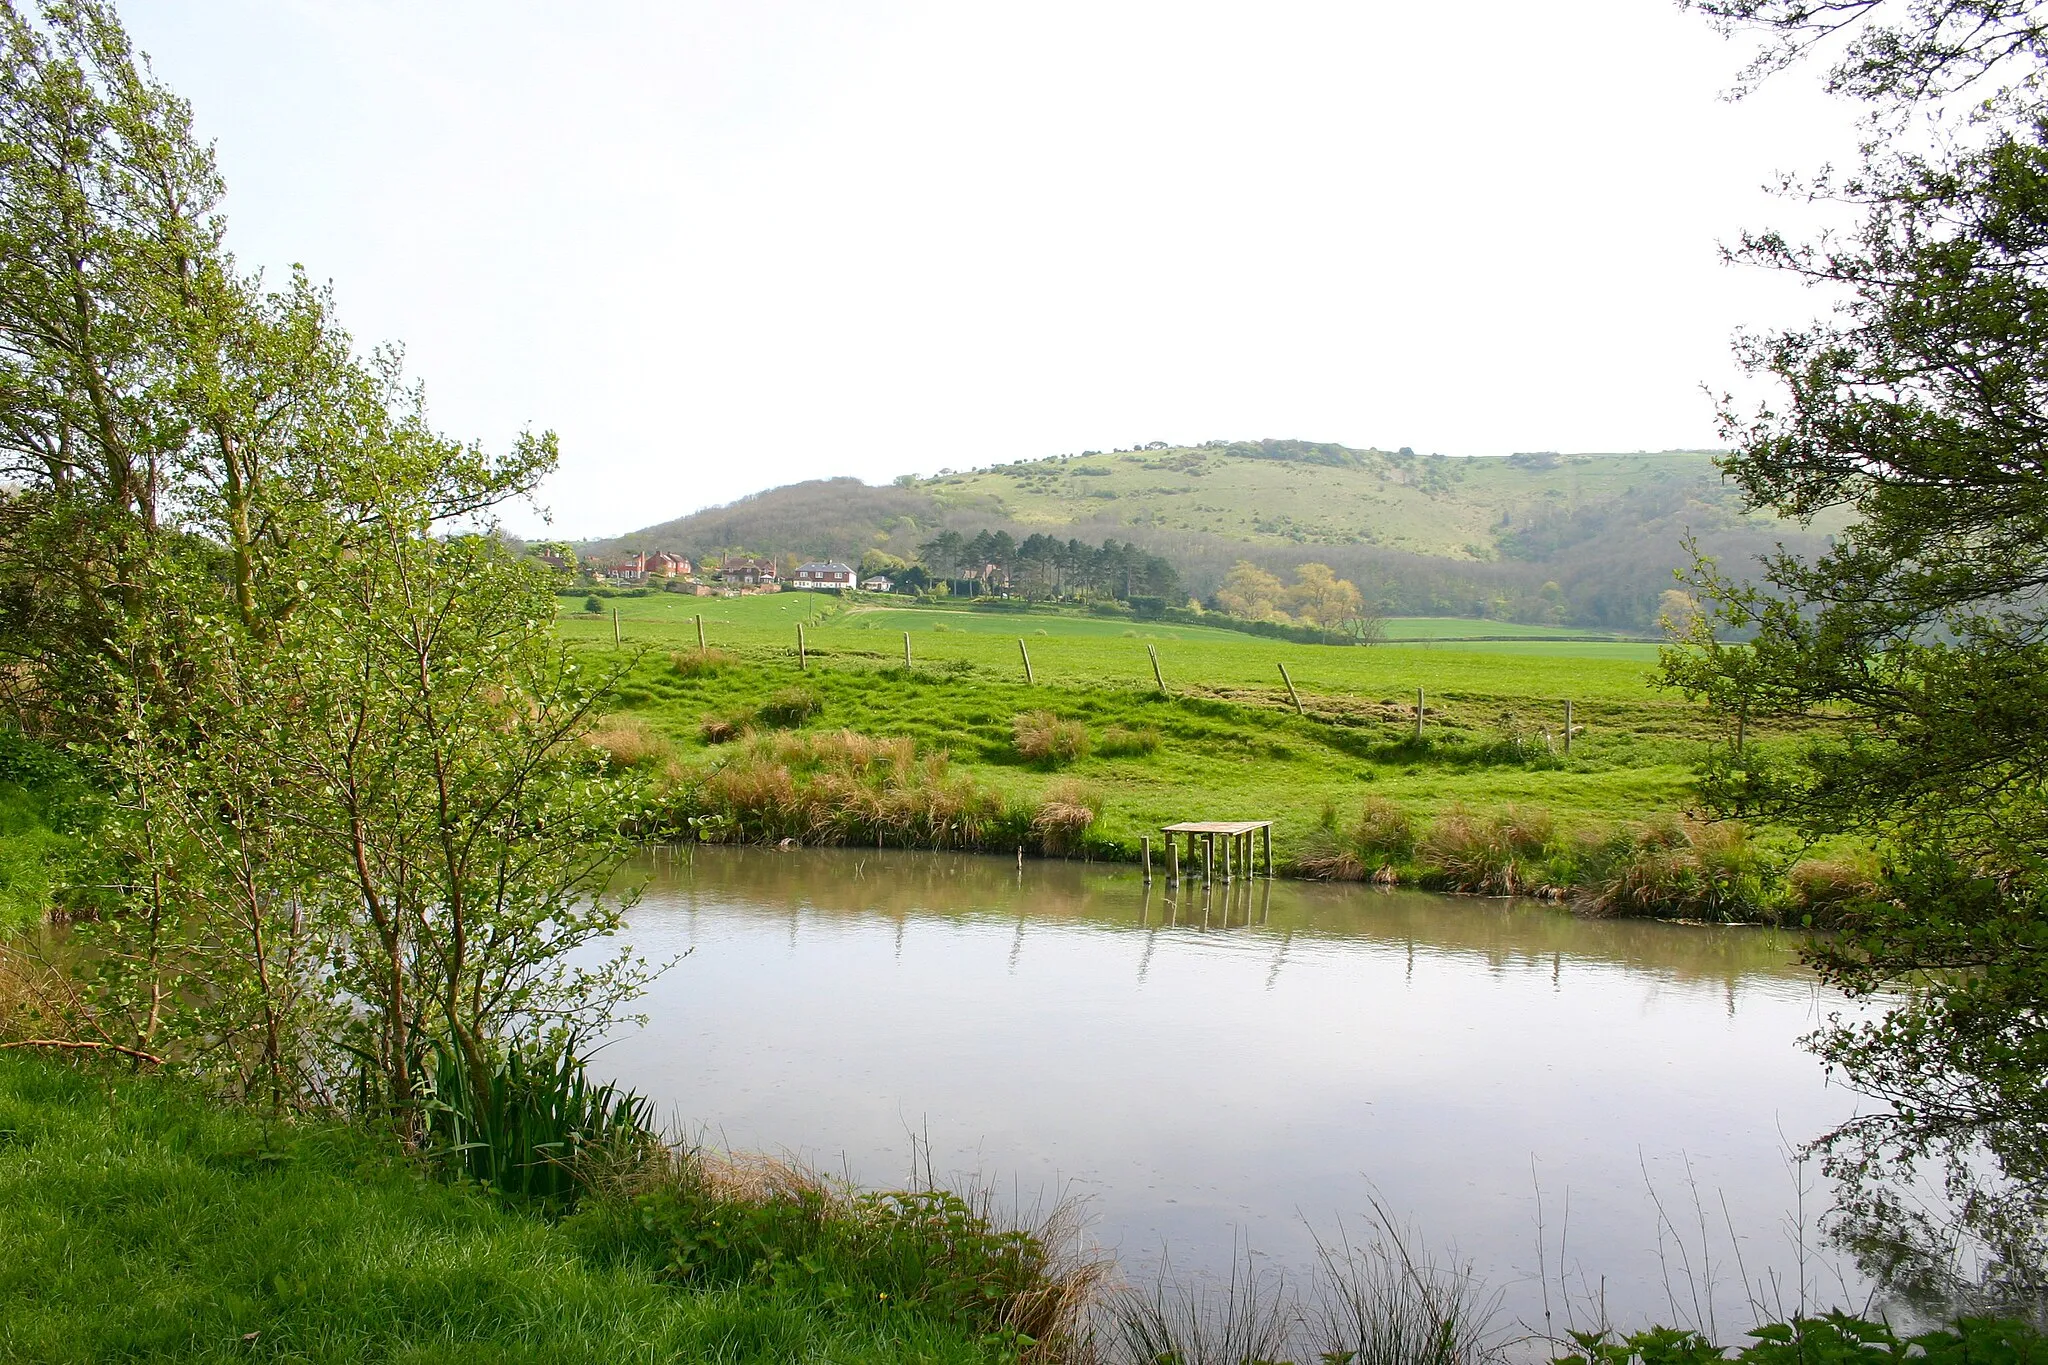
x=906 y=649
x=700 y=632
x=801 y=661
x=1567 y=727
x=615 y=628
x=1145 y=855
x=1024 y=650
x=1291 y=692
x=1157 y=676
x=1239 y=853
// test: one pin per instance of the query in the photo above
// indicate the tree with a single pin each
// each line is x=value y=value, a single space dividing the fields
x=1250 y=592
x=1318 y=595
x=1923 y=633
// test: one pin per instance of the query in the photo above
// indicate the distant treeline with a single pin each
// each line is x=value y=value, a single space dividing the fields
x=1046 y=566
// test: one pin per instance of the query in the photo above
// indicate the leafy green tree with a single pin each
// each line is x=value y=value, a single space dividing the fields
x=1922 y=634
x=1250 y=592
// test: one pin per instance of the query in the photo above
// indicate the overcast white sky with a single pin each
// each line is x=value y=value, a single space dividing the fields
x=728 y=244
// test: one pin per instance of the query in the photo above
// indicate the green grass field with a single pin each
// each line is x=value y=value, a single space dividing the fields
x=141 y=1222
x=1228 y=741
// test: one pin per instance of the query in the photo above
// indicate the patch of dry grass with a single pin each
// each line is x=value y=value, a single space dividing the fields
x=1042 y=737
x=630 y=741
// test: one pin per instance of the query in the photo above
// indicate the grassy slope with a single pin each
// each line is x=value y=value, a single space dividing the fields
x=137 y=1223
x=1383 y=502
x=1230 y=743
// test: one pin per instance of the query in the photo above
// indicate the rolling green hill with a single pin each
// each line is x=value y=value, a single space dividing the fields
x=1587 y=540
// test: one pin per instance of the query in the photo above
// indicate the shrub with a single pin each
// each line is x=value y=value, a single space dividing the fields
x=698 y=663
x=1383 y=838
x=1119 y=741
x=592 y=605
x=791 y=706
x=1042 y=737
x=1682 y=869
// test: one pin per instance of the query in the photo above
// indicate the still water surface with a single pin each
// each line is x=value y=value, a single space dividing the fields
x=1247 y=1072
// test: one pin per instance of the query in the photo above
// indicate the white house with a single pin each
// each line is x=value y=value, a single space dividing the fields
x=879 y=583
x=830 y=574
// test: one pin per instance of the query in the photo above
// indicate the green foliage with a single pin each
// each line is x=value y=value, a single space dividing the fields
x=147 y=1223
x=521 y=1132
x=1832 y=1339
x=592 y=605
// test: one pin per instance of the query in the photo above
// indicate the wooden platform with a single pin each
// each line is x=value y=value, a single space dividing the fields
x=1237 y=848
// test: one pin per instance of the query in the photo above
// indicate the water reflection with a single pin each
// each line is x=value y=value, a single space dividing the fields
x=1227 y=1062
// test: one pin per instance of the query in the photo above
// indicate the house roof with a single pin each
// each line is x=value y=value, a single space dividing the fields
x=829 y=566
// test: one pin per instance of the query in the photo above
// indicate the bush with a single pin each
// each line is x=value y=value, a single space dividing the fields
x=720 y=729
x=1819 y=890
x=791 y=707
x=1042 y=737
x=592 y=605
x=1679 y=869
x=1383 y=838
x=1119 y=741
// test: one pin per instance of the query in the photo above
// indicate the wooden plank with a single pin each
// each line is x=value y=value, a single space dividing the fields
x=1215 y=826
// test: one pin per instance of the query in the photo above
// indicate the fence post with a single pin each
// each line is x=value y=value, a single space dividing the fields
x=1291 y=692
x=1418 y=712
x=1157 y=676
x=906 y=649
x=700 y=632
x=1029 y=681
x=802 y=662
x=616 y=637
x=1567 y=727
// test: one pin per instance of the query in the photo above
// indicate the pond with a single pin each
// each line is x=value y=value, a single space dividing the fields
x=1244 y=1070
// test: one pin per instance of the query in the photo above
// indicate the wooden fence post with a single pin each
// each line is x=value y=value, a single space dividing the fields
x=1291 y=692
x=906 y=649
x=1567 y=727
x=616 y=637
x=802 y=662
x=1029 y=681
x=700 y=632
x=1157 y=676
x=1419 y=705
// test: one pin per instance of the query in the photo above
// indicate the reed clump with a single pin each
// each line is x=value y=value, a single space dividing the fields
x=1042 y=737
x=721 y=729
x=1820 y=890
x=1506 y=853
x=1376 y=848
x=709 y=1220
x=1678 y=869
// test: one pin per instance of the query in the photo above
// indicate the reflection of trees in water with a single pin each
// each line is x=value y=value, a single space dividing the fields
x=1113 y=897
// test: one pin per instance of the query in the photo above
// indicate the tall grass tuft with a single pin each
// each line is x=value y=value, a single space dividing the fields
x=709 y=1220
x=1042 y=737
x=1680 y=869
x=1121 y=741
x=1392 y=1302
x=1376 y=847
x=1063 y=817
x=791 y=707
x=1818 y=890
x=1502 y=854
x=521 y=1131
x=1248 y=1319
x=629 y=741
x=702 y=663
x=720 y=729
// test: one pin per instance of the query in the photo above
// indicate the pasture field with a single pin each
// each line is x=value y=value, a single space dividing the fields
x=1224 y=741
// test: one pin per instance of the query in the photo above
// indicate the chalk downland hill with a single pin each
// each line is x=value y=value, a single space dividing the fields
x=1583 y=539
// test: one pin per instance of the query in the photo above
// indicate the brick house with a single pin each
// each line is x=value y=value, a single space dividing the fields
x=747 y=572
x=823 y=574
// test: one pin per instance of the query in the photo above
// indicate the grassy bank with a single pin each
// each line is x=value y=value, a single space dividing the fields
x=957 y=749
x=140 y=1222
